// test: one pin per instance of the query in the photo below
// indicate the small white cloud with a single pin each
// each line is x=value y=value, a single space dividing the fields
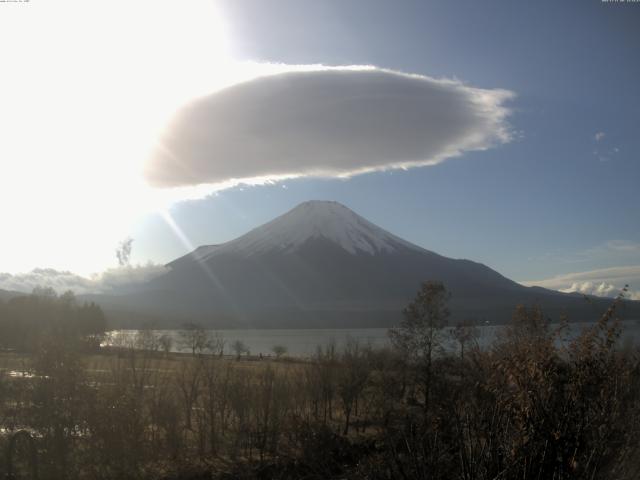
x=599 y=136
x=109 y=281
x=604 y=282
x=326 y=122
x=602 y=289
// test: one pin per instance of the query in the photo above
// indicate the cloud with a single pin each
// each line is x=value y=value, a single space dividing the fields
x=603 y=153
x=60 y=281
x=325 y=122
x=602 y=289
x=604 y=282
x=109 y=281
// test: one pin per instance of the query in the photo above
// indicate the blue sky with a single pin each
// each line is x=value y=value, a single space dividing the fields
x=560 y=199
x=530 y=208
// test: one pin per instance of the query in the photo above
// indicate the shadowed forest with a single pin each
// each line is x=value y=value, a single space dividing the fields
x=532 y=406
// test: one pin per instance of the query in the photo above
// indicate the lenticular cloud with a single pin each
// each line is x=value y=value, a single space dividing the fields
x=329 y=122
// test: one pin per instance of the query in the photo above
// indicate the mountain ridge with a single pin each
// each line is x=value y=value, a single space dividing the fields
x=310 y=219
x=322 y=265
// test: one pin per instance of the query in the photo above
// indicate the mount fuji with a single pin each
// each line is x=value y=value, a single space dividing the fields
x=322 y=265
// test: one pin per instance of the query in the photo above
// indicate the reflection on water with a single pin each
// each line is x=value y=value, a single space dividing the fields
x=20 y=374
x=304 y=342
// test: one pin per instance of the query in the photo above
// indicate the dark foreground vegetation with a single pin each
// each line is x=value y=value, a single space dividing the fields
x=530 y=407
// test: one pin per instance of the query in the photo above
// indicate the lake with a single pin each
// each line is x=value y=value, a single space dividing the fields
x=304 y=342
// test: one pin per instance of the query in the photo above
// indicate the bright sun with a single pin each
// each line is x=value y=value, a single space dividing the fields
x=85 y=88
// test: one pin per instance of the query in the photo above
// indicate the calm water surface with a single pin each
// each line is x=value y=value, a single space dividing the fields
x=304 y=342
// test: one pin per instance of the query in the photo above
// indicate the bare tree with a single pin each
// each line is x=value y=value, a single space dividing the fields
x=270 y=407
x=146 y=339
x=352 y=378
x=420 y=332
x=239 y=348
x=279 y=350
x=188 y=381
x=166 y=343
x=325 y=367
x=194 y=337
x=123 y=252
x=216 y=343
x=214 y=401
x=465 y=333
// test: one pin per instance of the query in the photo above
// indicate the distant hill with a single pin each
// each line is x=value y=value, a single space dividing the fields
x=322 y=265
x=8 y=294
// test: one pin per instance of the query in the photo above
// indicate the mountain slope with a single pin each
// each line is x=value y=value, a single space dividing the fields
x=322 y=265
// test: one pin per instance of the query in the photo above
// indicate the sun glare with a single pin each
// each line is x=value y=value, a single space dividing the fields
x=86 y=88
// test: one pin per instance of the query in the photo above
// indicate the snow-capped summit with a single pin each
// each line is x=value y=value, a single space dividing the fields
x=321 y=265
x=310 y=220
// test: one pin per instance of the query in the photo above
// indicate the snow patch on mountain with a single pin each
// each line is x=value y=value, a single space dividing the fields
x=314 y=220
